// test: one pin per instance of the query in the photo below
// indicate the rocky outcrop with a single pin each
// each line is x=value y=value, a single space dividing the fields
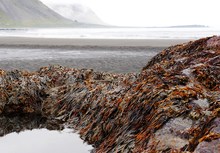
x=171 y=106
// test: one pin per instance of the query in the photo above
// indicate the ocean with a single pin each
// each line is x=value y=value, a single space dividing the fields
x=113 y=33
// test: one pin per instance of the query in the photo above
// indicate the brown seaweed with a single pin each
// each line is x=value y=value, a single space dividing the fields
x=171 y=106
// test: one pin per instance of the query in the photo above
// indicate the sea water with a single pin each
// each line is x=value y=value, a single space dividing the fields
x=119 y=59
x=44 y=141
x=114 y=33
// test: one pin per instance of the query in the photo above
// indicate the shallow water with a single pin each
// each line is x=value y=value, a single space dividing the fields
x=43 y=141
x=44 y=53
x=120 y=60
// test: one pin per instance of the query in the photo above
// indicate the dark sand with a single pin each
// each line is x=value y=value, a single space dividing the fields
x=59 y=42
x=112 y=55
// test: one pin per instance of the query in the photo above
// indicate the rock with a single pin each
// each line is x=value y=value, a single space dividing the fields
x=210 y=142
x=171 y=106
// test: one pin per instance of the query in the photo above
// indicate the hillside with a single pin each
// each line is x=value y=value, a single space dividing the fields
x=29 y=13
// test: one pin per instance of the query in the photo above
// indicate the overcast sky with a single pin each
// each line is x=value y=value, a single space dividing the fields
x=153 y=12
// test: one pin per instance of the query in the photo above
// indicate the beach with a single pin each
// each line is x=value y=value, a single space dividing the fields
x=61 y=42
x=110 y=55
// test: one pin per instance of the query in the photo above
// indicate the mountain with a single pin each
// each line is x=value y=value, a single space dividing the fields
x=189 y=26
x=77 y=12
x=29 y=13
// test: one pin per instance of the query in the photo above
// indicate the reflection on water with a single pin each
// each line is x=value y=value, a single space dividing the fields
x=45 y=53
x=43 y=141
x=119 y=60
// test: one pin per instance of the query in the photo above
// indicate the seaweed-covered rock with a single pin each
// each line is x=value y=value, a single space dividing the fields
x=171 y=106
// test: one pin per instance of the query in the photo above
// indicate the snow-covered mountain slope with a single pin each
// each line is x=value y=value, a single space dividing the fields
x=77 y=12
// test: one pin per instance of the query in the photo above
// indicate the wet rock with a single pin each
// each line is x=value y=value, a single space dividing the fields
x=174 y=134
x=171 y=106
x=211 y=142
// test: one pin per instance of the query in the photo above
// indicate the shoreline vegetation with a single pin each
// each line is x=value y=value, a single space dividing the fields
x=171 y=105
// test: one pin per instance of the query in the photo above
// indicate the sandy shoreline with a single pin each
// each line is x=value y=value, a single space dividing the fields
x=110 y=55
x=62 y=42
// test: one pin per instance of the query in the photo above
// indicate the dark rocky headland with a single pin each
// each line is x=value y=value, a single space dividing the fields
x=173 y=105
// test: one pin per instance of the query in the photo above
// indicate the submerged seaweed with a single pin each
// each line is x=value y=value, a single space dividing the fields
x=171 y=106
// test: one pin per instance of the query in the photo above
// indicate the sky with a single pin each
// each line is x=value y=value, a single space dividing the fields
x=153 y=12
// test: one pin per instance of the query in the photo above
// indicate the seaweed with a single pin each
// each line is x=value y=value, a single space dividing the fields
x=171 y=106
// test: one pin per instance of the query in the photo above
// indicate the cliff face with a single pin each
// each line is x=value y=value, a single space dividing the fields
x=173 y=105
x=19 y=13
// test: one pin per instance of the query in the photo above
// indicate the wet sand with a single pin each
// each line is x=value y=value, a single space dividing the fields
x=59 y=42
x=112 y=55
